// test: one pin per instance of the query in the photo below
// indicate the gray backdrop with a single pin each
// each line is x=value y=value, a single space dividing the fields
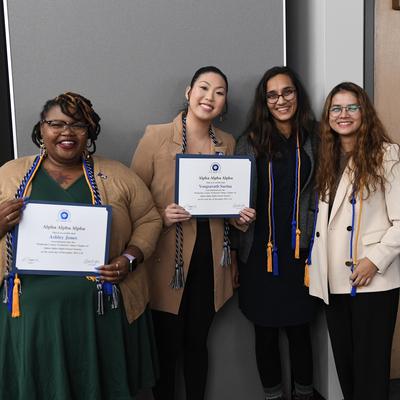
x=133 y=59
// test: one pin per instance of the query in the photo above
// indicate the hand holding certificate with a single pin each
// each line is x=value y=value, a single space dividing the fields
x=57 y=238
x=213 y=186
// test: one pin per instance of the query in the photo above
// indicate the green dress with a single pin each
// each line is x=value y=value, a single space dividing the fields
x=60 y=349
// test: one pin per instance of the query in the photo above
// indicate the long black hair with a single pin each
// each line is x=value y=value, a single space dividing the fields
x=261 y=129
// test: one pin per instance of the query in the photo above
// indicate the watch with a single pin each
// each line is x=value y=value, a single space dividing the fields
x=132 y=261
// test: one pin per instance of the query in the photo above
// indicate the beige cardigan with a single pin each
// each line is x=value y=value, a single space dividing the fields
x=135 y=220
x=154 y=162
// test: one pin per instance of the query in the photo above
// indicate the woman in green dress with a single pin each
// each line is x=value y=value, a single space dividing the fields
x=71 y=337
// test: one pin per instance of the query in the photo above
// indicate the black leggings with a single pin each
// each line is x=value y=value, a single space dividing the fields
x=268 y=354
x=188 y=331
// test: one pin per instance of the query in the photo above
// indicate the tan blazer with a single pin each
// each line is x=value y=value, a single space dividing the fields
x=154 y=162
x=135 y=220
x=379 y=235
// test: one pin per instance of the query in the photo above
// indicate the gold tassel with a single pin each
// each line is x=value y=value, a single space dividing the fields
x=15 y=311
x=269 y=257
x=297 y=248
x=307 y=275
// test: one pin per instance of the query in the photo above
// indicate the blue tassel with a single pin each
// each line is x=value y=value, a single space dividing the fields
x=275 y=264
x=107 y=288
x=10 y=293
x=353 y=291
x=293 y=235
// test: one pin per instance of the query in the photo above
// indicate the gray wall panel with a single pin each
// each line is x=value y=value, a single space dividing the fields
x=134 y=58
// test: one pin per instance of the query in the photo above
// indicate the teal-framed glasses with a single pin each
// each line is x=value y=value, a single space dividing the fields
x=335 y=111
x=58 y=126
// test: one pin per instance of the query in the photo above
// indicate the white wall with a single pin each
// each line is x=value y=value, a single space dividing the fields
x=325 y=45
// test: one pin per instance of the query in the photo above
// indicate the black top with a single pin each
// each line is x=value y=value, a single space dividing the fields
x=265 y=299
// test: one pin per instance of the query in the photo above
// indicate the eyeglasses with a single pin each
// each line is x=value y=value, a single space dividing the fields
x=57 y=126
x=287 y=93
x=335 y=111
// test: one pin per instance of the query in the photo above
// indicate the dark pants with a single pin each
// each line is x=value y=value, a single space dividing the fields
x=188 y=331
x=361 y=330
x=268 y=355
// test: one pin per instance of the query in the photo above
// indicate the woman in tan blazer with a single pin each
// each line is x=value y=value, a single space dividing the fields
x=188 y=282
x=355 y=260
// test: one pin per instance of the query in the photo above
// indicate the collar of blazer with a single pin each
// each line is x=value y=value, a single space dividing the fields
x=177 y=137
x=343 y=191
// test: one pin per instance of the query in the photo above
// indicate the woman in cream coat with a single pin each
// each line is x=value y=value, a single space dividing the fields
x=355 y=264
x=187 y=291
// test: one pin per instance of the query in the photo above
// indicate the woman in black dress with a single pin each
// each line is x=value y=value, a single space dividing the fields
x=273 y=251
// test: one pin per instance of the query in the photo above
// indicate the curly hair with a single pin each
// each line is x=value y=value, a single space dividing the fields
x=261 y=130
x=76 y=107
x=366 y=168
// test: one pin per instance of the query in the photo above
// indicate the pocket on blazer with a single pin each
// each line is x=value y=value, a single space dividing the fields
x=373 y=237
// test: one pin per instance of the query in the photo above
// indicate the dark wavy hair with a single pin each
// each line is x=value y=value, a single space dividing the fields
x=261 y=130
x=76 y=107
x=205 y=70
x=367 y=155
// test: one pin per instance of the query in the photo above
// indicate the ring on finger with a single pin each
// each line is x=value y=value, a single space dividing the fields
x=118 y=272
x=8 y=218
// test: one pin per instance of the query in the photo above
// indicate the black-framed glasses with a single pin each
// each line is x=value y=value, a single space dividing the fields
x=58 y=126
x=335 y=111
x=288 y=94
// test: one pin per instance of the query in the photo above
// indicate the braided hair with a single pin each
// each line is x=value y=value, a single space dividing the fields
x=77 y=107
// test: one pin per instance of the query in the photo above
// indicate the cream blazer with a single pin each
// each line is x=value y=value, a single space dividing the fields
x=154 y=162
x=379 y=238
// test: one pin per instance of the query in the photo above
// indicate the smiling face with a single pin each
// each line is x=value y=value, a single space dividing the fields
x=64 y=147
x=347 y=123
x=207 y=96
x=284 y=109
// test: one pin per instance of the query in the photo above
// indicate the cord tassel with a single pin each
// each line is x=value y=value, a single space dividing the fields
x=269 y=257
x=275 y=261
x=307 y=275
x=226 y=259
x=5 y=291
x=294 y=229
x=178 y=279
x=115 y=297
x=100 y=299
x=297 y=247
x=16 y=311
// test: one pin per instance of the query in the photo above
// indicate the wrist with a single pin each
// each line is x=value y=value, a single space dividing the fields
x=132 y=261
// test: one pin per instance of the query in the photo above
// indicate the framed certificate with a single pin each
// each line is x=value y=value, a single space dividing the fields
x=213 y=186
x=61 y=238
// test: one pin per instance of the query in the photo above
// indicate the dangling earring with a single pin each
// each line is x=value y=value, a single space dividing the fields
x=43 y=150
x=221 y=117
x=86 y=155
